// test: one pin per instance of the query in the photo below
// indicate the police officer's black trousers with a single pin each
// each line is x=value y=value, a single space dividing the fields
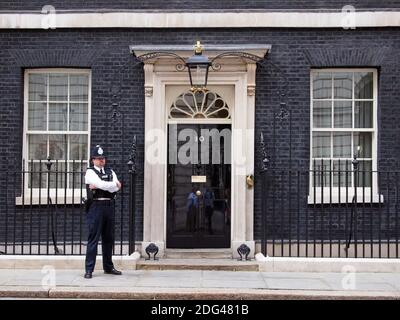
x=101 y=221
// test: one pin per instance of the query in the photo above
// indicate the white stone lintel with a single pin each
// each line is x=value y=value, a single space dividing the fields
x=198 y=19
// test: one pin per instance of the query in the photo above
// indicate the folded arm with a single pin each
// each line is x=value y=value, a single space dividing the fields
x=93 y=179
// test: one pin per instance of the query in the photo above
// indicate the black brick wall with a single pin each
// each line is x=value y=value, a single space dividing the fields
x=190 y=4
x=106 y=52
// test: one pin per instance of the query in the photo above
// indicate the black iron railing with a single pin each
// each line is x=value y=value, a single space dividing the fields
x=329 y=212
x=42 y=210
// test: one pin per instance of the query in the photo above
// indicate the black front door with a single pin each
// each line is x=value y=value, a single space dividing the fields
x=199 y=186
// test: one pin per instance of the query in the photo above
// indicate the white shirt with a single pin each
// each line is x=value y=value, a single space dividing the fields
x=92 y=178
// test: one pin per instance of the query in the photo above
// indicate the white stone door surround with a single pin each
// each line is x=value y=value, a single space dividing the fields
x=160 y=73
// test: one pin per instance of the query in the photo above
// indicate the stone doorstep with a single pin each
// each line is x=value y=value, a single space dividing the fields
x=227 y=264
x=335 y=265
x=197 y=253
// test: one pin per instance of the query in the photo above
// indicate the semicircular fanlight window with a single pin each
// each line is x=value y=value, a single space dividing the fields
x=199 y=105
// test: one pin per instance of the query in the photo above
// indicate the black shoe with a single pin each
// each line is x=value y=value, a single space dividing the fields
x=88 y=275
x=113 y=271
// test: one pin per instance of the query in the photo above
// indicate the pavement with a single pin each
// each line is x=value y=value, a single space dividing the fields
x=196 y=284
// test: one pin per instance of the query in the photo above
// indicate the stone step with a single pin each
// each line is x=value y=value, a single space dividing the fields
x=198 y=254
x=197 y=264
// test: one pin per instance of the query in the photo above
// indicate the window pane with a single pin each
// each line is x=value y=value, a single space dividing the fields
x=321 y=175
x=182 y=107
x=342 y=145
x=364 y=174
x=322 y=114
x=322 y=86
x=341 y=174
x=37 y=87
x=363 y=143
x=57 y=146
x=78 y=117
x=78 y=147
x=363 y=85
x=343 y=83
x=363 y=114
x=37 y=116
x=58 y=116
x=321 y=145
x=37 y=146
x=216 y=109
x=343 y=117
x=58 y=87
x=79 y=87
x=77 y=175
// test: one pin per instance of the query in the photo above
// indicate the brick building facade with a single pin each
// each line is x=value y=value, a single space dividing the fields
x=118 y=109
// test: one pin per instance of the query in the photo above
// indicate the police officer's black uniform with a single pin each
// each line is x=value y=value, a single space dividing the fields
x=101 y=222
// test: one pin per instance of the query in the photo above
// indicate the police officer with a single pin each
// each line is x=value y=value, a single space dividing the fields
x=103 y=183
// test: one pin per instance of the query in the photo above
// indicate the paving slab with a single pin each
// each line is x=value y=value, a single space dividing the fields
x=391 y=277
x=295 y=275
x=239 y=284
x=242 y=275
x=81 y=282
x=23 y=282
x=297 y=284
x=169 y=282
x=363 y=286
x=169 y=273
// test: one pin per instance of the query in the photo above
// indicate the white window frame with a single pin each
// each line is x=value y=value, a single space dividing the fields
x=342 y=194
x=31 y=195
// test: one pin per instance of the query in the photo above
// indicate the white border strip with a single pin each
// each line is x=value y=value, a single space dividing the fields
x=200 y=20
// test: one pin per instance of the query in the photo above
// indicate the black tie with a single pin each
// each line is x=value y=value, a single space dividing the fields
x=101 y=171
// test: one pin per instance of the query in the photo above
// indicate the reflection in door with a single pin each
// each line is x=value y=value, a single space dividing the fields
x=199 y=183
